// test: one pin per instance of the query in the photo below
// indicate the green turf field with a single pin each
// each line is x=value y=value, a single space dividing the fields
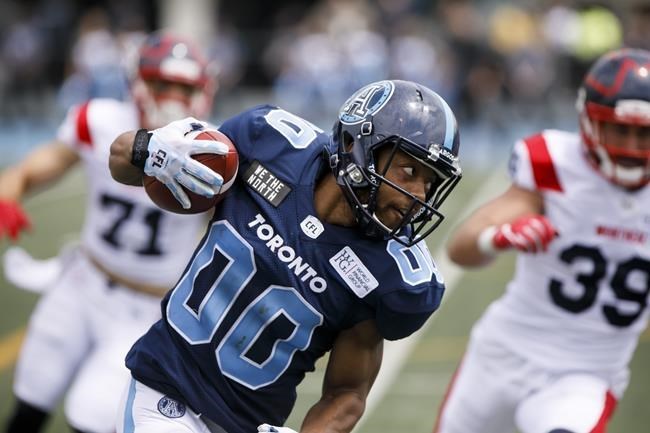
x=409 y=403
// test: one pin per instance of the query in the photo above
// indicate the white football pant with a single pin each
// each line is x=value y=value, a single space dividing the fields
x=145 y=410
x=496 y=391
x=76 y=342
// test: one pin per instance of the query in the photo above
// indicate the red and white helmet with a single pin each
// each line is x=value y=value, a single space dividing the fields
x=165 y=58
x=617 y=90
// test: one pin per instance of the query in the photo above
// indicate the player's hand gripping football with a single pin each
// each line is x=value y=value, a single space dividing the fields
x=267 y=428
x=530 y=233
x=13 y=219
x=170 y=160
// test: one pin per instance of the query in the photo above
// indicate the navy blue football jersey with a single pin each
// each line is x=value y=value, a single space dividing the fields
x=270 y=286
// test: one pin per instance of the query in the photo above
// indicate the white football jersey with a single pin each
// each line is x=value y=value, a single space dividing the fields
x=123 y=230
x=583 y=304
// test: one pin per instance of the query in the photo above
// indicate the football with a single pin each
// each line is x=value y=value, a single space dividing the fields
x=226 y=165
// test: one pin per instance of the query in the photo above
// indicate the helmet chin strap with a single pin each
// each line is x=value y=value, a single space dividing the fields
x=381 y=224
x=625 y=176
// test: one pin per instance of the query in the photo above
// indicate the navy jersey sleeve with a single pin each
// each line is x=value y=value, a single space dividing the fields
x=415 y=294
x=401 y=285
x=401 y=312
x=245 y=129
x=268 y=134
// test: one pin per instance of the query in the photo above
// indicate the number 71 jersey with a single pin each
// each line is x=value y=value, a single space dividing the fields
x=582 y=304
x=271 y=286
x=123 y=229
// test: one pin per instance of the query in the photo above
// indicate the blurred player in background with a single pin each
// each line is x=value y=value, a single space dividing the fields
x=317 y=247
x=552 y=354
x=130 y=252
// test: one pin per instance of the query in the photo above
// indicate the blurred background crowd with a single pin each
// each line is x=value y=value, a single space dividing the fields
x=506 y=67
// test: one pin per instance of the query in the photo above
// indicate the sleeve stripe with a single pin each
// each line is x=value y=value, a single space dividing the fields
x=83 y=131
x=542 y=164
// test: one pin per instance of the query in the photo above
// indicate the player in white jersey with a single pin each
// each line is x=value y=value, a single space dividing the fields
x=131 y=252
x=551 y=355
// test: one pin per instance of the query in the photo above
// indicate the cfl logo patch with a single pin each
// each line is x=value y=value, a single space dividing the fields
x=159 y=158
x=312 y=227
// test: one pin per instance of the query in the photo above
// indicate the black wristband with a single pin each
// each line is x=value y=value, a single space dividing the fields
x=139 y=153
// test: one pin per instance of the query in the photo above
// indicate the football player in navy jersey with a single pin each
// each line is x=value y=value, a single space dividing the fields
x=317 y=247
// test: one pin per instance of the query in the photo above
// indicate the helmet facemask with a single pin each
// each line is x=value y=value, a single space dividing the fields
x=160 y=108
x=392 y=135
x=166 y=60
x=362 y=185
x=614 y=107
x=628 y=168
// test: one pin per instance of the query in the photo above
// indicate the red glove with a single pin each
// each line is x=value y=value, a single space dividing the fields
x=13 y=219
x=531 y=234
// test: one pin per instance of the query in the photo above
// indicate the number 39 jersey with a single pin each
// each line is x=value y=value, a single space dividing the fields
x=271 y=285
x=123 y=230
x=582 y=304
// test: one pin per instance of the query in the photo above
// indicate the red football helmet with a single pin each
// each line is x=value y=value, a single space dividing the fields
x=616 y=94
x=165 y=62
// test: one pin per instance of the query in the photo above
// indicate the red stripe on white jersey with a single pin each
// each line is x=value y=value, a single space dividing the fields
x=608 y=410
x=83 y=131
x=436 y=427
x=542 y=164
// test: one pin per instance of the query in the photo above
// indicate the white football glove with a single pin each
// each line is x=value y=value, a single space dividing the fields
x=36 y=275
x=267 y=428
x=170 y=160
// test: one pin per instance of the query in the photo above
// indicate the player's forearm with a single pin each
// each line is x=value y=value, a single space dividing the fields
x=12 y=185
x=472 y=243
x=120 y=160
x=45 y=165
x=462 y=248
x=334 y=414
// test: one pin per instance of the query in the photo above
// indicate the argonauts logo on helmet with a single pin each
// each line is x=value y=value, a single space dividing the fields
x=367 y=100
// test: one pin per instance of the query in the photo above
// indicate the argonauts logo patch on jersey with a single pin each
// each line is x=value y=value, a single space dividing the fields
x=366 y=101
x=171 y=408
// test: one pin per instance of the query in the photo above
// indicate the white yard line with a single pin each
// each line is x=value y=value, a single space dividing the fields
x=397 y=352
